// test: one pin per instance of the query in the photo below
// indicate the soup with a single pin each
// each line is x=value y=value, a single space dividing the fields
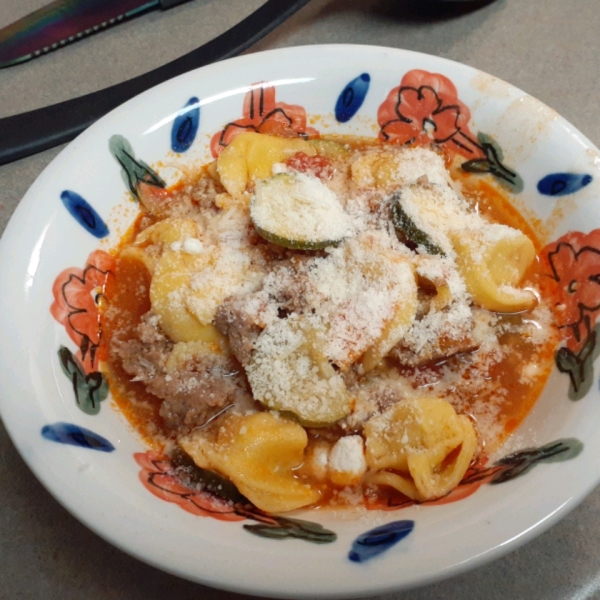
x=327 y=321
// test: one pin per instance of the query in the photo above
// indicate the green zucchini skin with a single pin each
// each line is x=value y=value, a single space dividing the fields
x=278 y=231
x=406 y=226
x=294 y=244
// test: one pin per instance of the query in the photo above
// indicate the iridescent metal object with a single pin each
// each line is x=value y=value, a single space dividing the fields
x=30 y=132
x=64 y=21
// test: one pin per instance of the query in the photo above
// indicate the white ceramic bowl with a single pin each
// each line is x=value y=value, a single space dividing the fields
x=559 y=173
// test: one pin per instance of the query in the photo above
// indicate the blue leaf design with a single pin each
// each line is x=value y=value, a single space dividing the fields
x=67 y=433
x=185 y=126
x=352 y=97
x=561 y=184
x=82 y=211
x=378 y=540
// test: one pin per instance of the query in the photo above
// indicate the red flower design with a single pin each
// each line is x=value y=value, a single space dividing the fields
x=77 y=294
x=158 y=477
x=425 y=108
x=263 y=115
x=574 y=263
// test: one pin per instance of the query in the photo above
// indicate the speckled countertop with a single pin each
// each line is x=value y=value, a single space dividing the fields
x=549 y=48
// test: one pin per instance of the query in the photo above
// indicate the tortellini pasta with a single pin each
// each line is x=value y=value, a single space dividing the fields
x=192 y=276
x=394 y=330
x=152 y=241
x=425 y=445
x=171 y=280
x=290 y=372
x=167 y=232
x=393 y=167
x=372 y=303
x=329 y=149
x=492 y=261
x=258 y=453
x=492 y=258
x=252 y=156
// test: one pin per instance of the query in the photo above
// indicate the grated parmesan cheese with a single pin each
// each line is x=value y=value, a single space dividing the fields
x=299 y=208
x=347 y=463
x=313 y=315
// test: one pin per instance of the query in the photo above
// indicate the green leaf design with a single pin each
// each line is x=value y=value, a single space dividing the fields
x=578 y=370
x=89 y=389
x=477 y=165
x=283 y=528
x=521 y=462
x=487 y=140
x=492 y=163
x=579 y=366
x=133 y=170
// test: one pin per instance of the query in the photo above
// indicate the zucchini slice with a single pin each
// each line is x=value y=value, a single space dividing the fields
x=406 y=226
x=298 y=211
x=289 y=372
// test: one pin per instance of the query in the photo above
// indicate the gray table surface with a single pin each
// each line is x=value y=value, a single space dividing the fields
x=549 y=48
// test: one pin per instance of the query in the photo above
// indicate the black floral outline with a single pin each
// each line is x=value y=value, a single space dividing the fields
x=86 y=345
x=490 y=162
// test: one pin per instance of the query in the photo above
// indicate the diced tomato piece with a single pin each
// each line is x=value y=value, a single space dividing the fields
x=319 y=166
